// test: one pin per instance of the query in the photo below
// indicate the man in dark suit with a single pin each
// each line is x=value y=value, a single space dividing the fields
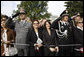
x=64 y=32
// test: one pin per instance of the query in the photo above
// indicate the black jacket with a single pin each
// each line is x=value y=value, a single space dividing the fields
x=78 y=36
x=50 y=40
x=33 y=37
x=32 y=40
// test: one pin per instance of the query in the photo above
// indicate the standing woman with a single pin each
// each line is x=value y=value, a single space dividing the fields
x=35 y=39
x=7 y=37
x=78 y=37
x=49 y=38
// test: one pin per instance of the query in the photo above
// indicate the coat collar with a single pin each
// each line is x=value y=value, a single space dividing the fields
x=3 y=29
x=80 y=28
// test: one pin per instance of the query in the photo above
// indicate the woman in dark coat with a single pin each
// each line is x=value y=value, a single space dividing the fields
x=78 y=37
x=49 y=38
x=35 y=40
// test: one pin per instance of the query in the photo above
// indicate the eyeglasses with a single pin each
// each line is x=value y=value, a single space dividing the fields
x=35 y=23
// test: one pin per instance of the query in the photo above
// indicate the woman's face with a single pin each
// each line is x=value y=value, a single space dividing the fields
x=47 y=25
x=3 y=24
x=35 y=24
x=80 y=24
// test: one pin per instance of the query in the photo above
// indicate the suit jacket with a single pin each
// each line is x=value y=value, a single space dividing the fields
x=50 y=40
x=21 y=33
x=10 y=37
x=78 y=36
x=69 y=39
x=32 y=39
x=72 y=23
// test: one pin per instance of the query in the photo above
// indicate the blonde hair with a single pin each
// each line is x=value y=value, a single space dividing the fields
x=81 y=19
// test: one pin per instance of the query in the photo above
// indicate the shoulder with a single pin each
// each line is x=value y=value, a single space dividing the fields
x=44 y=30
x=1 y=29
x=28 y=23
x=10 y=30
x=17 y=21
x=76 y=30
x=30 y=30
x=53 y=30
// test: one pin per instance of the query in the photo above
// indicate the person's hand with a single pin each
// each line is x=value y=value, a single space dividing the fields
x=7 y=42
x=81 y=49
x=3 y=54
x=40 y=45
x=57 y=49
x=3 y=41
x=27 y=19
x=52 y=49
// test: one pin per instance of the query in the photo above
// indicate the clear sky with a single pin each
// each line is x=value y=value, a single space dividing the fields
x=54 y=7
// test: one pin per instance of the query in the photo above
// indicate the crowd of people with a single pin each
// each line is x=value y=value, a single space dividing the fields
x=41 y=37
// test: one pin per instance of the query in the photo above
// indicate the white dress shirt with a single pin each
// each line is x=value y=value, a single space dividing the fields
x=39 y=41
x=5 y=45
x=80 y=28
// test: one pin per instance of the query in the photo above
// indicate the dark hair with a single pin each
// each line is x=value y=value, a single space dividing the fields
x=4 y=16
x=3 y=20
x=34 y=21
x=45 y=24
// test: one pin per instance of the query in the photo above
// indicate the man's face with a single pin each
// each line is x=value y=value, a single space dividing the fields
x=65 y=18
x=22 y=16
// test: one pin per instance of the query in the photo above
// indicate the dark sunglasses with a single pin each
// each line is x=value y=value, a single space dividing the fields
x=21 y=14
x=80 y=22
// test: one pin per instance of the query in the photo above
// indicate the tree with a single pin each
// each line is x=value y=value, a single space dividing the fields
x=74 y=7
x=35 y=9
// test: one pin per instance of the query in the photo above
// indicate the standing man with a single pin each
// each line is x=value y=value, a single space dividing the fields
x=22 y=26
x=64 y=33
